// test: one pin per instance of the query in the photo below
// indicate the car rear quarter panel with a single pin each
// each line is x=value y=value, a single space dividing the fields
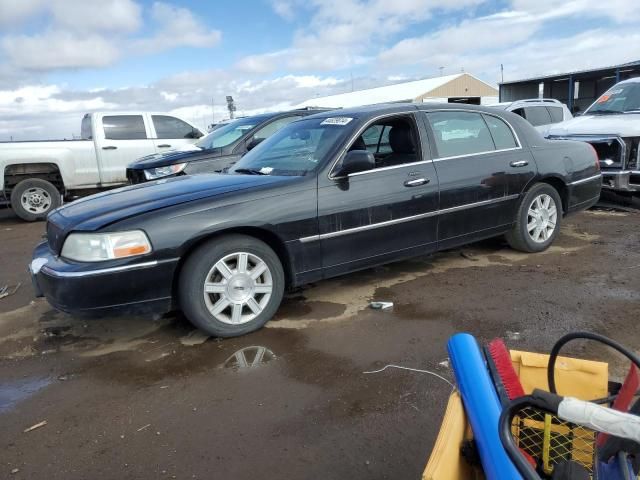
x=573 y=163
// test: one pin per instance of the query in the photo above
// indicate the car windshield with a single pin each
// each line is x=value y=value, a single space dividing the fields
x=295 y=150
x=619 y=99
x=229 y=133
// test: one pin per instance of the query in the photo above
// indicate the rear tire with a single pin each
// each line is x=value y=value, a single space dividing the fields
x=538 y=220
x=32 y=199
x=231 y=285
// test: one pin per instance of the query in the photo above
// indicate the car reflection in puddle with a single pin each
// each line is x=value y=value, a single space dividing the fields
x=12 y=393
x=249 y=357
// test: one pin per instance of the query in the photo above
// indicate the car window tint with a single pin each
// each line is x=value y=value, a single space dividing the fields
x=124 y=127
x=172 y=127
x=556 y=114
x=371 y=137
x=273 y=127
x=537 y=116
x=500 y=132
x=460 y=133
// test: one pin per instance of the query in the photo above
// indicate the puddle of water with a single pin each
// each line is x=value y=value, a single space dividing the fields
x=249 y=357
x=12 y=393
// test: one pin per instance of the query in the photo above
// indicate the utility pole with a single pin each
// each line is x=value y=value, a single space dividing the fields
x=501 y=73
x=441 y=70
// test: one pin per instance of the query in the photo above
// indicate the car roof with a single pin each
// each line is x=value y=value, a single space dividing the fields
x=368 y=111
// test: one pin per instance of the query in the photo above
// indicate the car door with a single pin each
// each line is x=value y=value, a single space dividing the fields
x=482 y=169
x=382 y=214
x=170 y=133
x=124 y=138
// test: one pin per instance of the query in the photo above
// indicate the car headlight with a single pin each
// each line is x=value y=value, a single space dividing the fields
x=153 y=173
x=96 y=247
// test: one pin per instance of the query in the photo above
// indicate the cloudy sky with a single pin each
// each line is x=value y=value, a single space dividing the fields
x=62 y=58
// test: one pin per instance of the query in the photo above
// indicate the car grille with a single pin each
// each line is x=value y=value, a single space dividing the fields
x=135 y=176
x=55 y=237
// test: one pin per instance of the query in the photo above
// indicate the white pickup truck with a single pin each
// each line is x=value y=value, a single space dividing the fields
x=36 y=176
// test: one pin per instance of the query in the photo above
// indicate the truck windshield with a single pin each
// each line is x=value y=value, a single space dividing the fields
x=620 y=98
x=229 y=133
x=295 y=150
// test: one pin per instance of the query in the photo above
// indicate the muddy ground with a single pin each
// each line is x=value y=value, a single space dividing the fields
x=153 y=398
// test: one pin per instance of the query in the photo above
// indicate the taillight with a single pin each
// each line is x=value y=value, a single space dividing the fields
x=595 y=154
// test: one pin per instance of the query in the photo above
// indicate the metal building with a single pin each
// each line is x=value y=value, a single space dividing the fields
x=577 y=89
x=459 y=88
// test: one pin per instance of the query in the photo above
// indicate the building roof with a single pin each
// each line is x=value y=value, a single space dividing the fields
x=634 y=64
x=461 y=85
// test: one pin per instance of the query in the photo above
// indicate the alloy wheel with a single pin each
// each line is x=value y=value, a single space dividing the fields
x=238 y=288
x=542 y=218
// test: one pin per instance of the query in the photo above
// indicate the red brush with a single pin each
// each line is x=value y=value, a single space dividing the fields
x=508 y=377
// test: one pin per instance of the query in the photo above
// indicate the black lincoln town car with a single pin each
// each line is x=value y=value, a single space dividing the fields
x=326 y=195
x=216 y=151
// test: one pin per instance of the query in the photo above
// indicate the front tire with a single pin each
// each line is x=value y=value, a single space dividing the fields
x=231 y=285
x=32 y=199
x=538 y=220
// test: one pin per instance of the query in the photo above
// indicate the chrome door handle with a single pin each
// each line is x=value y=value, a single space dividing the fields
x=417 y=182
x=519 y=163
x=110 y=147
x=164 y=145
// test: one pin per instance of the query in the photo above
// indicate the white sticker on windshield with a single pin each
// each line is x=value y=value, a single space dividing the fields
x=266 y=170
x=336 y=121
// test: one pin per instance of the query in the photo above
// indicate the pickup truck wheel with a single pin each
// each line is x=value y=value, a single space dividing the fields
x=231 y=285
x=32 y=199
x=538 y=220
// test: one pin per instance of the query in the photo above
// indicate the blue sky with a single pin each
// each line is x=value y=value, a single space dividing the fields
x=61 y=58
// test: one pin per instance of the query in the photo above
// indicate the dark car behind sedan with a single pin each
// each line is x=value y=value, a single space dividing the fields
x=216 y=151
x=326 y=195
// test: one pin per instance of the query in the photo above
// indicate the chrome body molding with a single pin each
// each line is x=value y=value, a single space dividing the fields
x=87 y=273
x=387 y=223
x=585 y=180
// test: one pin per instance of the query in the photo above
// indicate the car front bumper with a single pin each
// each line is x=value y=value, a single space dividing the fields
x=621 y=181
x=100 y=289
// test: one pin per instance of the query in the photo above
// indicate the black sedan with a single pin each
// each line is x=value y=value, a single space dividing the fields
x=216 y=151
x=324 y=196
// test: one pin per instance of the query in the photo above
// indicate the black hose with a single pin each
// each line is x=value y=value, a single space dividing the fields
x=633 y=357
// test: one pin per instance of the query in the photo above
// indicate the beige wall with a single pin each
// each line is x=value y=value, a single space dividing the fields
x=463 y=86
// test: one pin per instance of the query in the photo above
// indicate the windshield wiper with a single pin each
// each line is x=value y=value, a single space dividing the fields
x=632 y=110
x=250 y=171
x=603 y=112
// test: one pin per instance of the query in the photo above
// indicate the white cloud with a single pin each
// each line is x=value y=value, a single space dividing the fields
x=177 y=27
x=58 y=49
x=12 y=11
x=341 y=32
x=107 y=16
x=284 y=8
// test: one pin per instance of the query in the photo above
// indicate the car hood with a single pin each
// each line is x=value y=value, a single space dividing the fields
x=173 y=157
x=97 y=211
x=624 y=125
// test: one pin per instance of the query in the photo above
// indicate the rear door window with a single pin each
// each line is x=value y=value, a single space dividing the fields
x=556 y=114
x=537 y=116
x=501 y=133
x=172 y=127
x=460 y=133
x=124 y=127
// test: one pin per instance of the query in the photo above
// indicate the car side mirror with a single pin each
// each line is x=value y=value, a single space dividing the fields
x=356 y=161
x=254 y=143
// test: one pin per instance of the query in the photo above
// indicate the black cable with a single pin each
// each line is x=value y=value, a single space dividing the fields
x=633 y=357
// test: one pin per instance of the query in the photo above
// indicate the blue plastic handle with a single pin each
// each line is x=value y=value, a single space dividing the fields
x=481 y=405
